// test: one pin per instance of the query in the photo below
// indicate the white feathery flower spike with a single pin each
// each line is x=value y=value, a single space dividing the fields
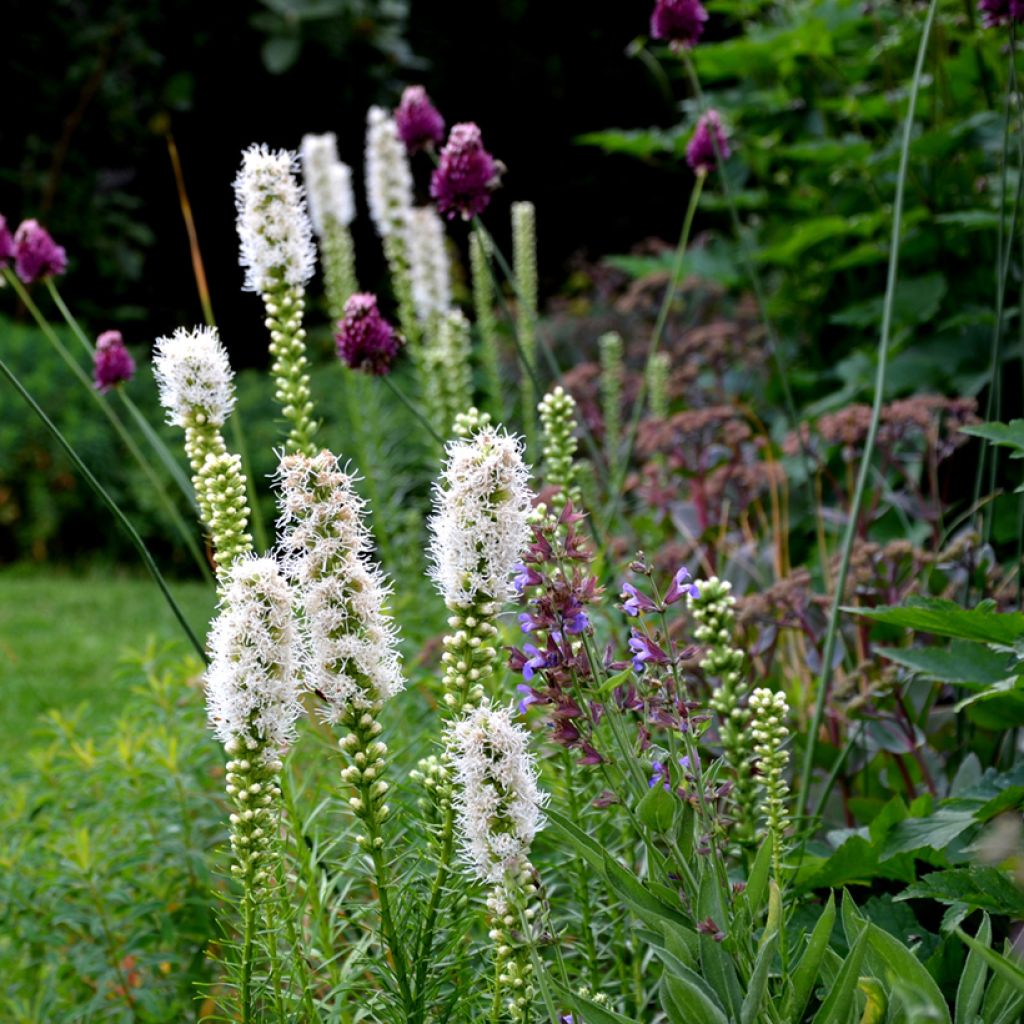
x=273 y=226
x=194 y=377
x=429 y=269
x=479 y=527
x=498 y=804
x=388 y=175
x=328 y=182
x=251 y=691
x=349 y=651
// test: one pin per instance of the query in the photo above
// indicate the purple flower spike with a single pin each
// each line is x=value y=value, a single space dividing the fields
x=535 y=660
x=995 y=13
x=112 y=362
x=577 y=623
x=365 y=340
x=635 y=602
x=466 y=175
x=6 y=243
x=36 y=254
x=678 y=22
x=681 y=584
x=419 y=122
x=527 y=622
x=700 y=150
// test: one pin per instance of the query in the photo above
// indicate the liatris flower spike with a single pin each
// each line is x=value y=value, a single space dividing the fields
x=428 y=264
x=194 y=377
x=6 y=243
x=365 y=340
x=701 y=149
x=36 y=254
x=328 y=182
x=466 y=175
x=678 y=23
x=112 y=362
x=420 y=124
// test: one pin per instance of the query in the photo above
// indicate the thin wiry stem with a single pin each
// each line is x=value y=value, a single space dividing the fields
x=112 y=506
x=832 y=632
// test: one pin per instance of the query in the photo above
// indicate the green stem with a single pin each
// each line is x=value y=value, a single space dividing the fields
x=869 y=442
x=248 y=942
x=404 y=399
x=111 y=505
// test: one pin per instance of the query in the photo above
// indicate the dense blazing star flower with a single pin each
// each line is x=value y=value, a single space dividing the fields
x=350 y=655
x=995 y=13
x=429 y=269
x=274 y=230
x=388 y=176
x=328 y=182
x=365 y=340
x=479 y=528
x=7 y=249
x=420 y=124
x=112 y=362
x=251 y=691
x=36 y=254
x=195 y=377
x=678 y=22
x=466 y=174
x=700 y=150
x=498 y=803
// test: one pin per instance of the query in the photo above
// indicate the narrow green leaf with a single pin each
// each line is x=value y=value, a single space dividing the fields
x=642 y=901
x=717 y=966
x=901 y=966
x=757 y=882
x=592 y=852
x=586 y=1009
x=1003 y=966
x=695 y=999
x=971 y=989
x=759 y=980
x=836 y=1006
x=806 y=973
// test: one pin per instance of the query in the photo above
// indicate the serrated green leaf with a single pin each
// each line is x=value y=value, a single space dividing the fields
x=963 y=663
x=945 y=618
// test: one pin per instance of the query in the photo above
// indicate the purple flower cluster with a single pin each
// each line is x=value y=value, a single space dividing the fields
x=34 y=252
x=700 y=150
x=1000 y=12
x=365 y=340
x=112 y=362
x=678 y=22
x=419 y=122
x=466 y=174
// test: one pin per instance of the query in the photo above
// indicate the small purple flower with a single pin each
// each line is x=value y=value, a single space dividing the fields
x=576 y=623
x=700 y=150
x=678 y=22
x=365 y=340
x=419 y=122
x=466 y=175
x=525 y=577
x=644 y=650
x=681 y=585
x=536 y=660
x=112 y=362
x=995 y=13
x=527 y=622
x=635 y=601
x=684 y=762
x=590 y=755
x=660 y=775
x=6 y=243
x=529 y=697
x=36 y=254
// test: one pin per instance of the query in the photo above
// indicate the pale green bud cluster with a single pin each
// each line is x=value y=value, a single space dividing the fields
x=558 y=426
x=610 y=354
x=338 y=255
x=713 y=612
x=364 y=772
x=769 y=712
x=221 y=492
x=470 y=654
x=285 y=305
x=514 y=985
x=252 y=786
x=486 y=321
x=469 y=422
x=447 y=370
x=434 y=775
x=657 y=385
x=524 y=260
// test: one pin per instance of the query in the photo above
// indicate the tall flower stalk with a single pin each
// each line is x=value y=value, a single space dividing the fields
x=349 y=660
x=486 y=321
x=448 y=377
x=276 y=239
x=558 y=421
x=524 y=261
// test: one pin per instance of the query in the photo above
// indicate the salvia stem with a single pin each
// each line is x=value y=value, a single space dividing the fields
x=111 y=505
x=832 y=632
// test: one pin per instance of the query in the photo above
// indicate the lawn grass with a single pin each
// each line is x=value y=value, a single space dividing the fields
x=63 y=637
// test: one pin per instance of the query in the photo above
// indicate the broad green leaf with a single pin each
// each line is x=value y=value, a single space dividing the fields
x=945 y=618
x=902 y=968
x=806 y=972
x=936 y=831
x=693 y=999
x=657 y=809
x=963 y=663
x=876 y=1003
x=1007 y=435
x=980 y=888
x=971 y=989
x=758 y=983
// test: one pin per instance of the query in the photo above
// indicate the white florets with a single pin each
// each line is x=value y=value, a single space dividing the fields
x=479 y=527
x=428 y=263
x=194 y=377
x=497 y=800
x=349 y=651
x=273 y=226
x=328 y=182
x=251 y=691
x=388 y=175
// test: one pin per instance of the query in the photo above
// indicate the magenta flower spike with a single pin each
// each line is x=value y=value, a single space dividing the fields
x=6 y=243
x=995 y=13
x=466 y=175
x=700 y=150
x=365 y=340
x=112 y=362
x=36 y=254
x=420 y=124
x=678 y=23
